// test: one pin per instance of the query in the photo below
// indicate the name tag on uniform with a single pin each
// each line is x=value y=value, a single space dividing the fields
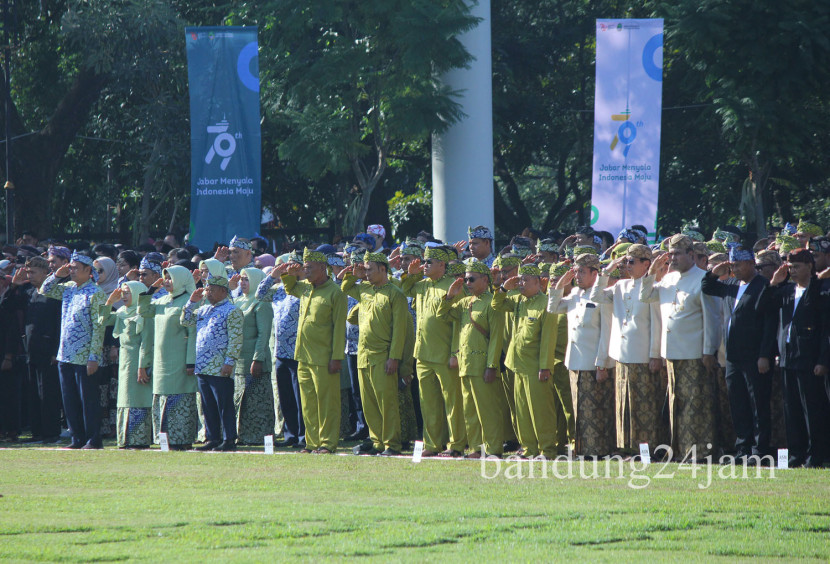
x=645 y=456
x=269 y=444
x=163 y=443
x=419 y=450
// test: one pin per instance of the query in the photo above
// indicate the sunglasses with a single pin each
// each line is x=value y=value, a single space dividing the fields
x=470 y=279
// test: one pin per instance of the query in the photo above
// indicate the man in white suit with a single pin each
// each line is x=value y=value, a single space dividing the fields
x=635 y=346
x=589 y=330
x=690 y=336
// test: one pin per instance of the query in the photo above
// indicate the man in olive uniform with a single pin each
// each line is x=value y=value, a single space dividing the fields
x=479 y=354
x=320 y=348
x=384 y=321
x=531 y=357
x=504 y=268
x=440 y=387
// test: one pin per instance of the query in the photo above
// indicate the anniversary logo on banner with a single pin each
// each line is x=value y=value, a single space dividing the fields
x=627 y=110
x=225 y=158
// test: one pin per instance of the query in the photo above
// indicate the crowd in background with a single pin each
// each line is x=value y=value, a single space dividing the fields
x=713 y=345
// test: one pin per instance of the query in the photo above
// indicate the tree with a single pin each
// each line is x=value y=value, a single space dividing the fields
x=356 y=80
x=766 y=69
x=69 y=52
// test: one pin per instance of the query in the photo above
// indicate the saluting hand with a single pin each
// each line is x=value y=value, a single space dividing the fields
x=132 y=274
x=233 y=282
x=415 y=267
x=114 y=297
x=342 y=274
x=780 y=275
x=62 y=272
x=658 y=264
x=197 y=295
x=157 y=284
x=222 y=254
x=721 y=269
x=823 y=275
x=455 y=288
x=294 y=269
x=511 y=283
x=565 y=280
x=20 y=277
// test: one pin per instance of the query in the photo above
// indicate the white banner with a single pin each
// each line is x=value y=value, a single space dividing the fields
x=627 y=109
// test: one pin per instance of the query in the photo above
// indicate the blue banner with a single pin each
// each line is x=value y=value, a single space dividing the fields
x=627 y=110
x=225 y=142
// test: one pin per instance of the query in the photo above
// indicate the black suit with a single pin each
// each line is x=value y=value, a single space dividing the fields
x=749 y=335
x=803 y=334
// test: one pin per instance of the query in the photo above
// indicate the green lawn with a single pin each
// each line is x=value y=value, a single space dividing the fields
x=124 y=505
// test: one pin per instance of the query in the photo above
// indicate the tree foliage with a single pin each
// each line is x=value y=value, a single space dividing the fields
x=351 y=92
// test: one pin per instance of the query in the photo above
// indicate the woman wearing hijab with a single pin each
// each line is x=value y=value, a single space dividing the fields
x=134 y=427
x=253 y=396
x=107 y=272
x=173 y=353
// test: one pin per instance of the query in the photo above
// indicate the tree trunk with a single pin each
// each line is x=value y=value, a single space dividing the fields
x=37 y=158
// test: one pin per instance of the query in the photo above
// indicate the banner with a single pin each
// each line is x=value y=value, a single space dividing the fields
x=627 y=110
x=225 y=153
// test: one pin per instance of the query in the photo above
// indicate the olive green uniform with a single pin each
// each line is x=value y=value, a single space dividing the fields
x=383 y=320
x=439 y=385
x=321 y=338
x=481 y=332
x=532 y=347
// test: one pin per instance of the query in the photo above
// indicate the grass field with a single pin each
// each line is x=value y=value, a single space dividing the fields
x=115 y=505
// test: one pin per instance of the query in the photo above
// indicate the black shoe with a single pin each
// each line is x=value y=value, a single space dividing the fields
x=511 y=446
x=73 y=446
x=390 y=452
x=406 y=445
x=91 y=446
x=210 y=445
x=358 y=435
x=226 y=446
x=286 y=444
x=299 y=445
x=366 y=448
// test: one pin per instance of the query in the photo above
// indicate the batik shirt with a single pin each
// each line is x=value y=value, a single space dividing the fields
x=352 y=329
x=218 y=335
x=82 y=337
x=286 y=315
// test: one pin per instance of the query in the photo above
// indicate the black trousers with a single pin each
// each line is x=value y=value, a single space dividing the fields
x=10 y=401
x=44 y=400
x=217 y=406
x=288 y=387
x=356 y=418
x=81 y=403
x=749 y=401
x=806 y=415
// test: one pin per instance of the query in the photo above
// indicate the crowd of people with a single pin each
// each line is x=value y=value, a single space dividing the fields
x=580 y=341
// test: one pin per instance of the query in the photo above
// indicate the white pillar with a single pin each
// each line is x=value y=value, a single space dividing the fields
x=462 y=156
